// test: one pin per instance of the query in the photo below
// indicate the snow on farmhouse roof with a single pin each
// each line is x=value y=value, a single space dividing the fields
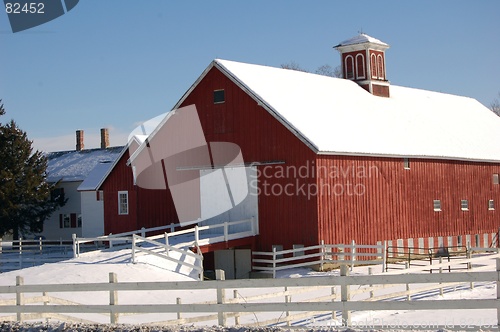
x=336 y=116
x=74 y=165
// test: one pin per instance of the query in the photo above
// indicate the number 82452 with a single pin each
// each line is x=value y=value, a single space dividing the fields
x=27 y=8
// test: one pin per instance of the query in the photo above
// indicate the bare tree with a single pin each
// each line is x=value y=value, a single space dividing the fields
x=293 y=66
x=495 y=106
x=327 y=70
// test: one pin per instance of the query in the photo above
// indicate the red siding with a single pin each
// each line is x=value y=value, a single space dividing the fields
x=147 y=208
x=396 y=203
x=283 y=219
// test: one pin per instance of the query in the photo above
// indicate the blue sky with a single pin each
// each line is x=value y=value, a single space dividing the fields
x=116 y=63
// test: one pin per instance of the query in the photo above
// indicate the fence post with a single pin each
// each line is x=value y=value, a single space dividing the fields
x=226 y=231
x=133 y=248
x=73 y=236
x=40 y=245
x=19 y=297
x=322 y=255
x=440 y=271
x=110 y=240
x=178 y=301
x=20 y=252
x=353 y=253
x=334 y=313
x=498 y=290
x=196 y=235
x=345 y=296
x=143 y=232
x=274 y=262
x=370 y=272
x=113 y=298
x=166 y=244
x=287 y=300
x=172 y=227
x=236 y=314
x=384 y=262
x=221 y=296
x=408 y=295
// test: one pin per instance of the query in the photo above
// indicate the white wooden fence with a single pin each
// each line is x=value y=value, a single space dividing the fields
x=165 y=251
x=24 y=253
x=195 y=236
x=337 y=296
x=352 y=254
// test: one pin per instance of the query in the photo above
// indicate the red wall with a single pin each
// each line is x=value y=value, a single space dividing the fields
x=147 y=208
x=283 y=219
x=397 y=203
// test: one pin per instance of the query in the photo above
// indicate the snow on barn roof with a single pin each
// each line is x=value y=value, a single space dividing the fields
x=362 y=38
x=68 y=166
x=337 y=116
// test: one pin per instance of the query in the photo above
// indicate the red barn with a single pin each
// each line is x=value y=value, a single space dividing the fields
x=338 y=159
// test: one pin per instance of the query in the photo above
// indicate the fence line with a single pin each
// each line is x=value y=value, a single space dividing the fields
x=21 y=253
x=163 y=251
x=319 y=255
x=195 y=231
x=223 y=306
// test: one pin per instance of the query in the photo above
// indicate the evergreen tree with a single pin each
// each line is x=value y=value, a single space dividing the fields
x=25 y=196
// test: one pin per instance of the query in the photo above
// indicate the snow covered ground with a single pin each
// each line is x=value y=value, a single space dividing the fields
x=95 y=267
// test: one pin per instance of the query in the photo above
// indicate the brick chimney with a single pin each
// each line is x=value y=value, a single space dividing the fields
x=79 y=140
x=104 y=138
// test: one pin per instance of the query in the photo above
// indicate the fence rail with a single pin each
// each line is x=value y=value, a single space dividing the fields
x=24 y=253
x=320 y=255
x=164 y=251
x=336 y=297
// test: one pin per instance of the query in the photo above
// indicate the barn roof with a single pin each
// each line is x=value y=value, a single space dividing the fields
x=336 y=116
x=69 y=166
x=361 y=39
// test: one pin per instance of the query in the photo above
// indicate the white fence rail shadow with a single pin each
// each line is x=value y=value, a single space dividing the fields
x=335 y=299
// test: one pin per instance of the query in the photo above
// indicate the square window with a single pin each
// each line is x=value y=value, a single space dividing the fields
x=66 y=221
x=123 y=202
x=464 y=205
x=491 y=205
x=496 y=179
x=219 y=96
x=437 y=205
x=406 y=163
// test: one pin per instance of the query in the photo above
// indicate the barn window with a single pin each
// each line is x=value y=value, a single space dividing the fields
x=219 y=96
x=373 y=63
x=380 y=63
x=406 y=163
x=349 y=67
x=464 y=205
x=360 y=66
x=491 y=205
x=123 y=202
x=437 y=205
x=495 y=179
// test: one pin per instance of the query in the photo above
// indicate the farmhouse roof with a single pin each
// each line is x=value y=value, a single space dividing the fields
x=70 y=166
x=337 y=116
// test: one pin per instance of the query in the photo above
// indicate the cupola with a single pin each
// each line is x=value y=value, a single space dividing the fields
x=363 y=61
